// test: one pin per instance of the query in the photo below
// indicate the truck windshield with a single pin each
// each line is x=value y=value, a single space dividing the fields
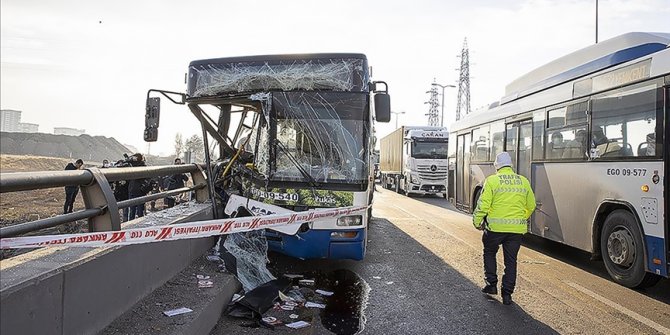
x=433 y=150
x=323 y=133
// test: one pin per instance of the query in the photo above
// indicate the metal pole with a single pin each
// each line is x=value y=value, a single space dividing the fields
x=596 y=21
x=442 y=118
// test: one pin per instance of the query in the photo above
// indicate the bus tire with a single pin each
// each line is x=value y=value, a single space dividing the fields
x=623 y=250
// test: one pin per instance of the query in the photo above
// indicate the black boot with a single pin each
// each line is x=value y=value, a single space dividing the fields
x=490 y=289
x=507 y=299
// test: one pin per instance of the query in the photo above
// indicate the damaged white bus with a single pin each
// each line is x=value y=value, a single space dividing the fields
x=294 y=132
x=590 y=131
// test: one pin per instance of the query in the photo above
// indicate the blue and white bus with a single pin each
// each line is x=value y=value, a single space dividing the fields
x=294 y=133
x=590 y=131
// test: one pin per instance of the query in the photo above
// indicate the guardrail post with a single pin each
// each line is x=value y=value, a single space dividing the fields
x=99 y=194
x=201 y=195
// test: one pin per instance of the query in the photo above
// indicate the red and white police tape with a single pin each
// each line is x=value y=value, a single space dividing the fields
x=176 y=231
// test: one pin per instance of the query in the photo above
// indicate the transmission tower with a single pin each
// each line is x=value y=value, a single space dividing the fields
x=463 y=104
x=433 y=112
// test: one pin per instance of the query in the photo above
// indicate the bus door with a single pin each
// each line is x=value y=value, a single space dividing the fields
x=463 y=171
x=518 y=144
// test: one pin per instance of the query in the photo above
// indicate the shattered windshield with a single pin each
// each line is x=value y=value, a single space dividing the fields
x=321 y=133
x=433 y=150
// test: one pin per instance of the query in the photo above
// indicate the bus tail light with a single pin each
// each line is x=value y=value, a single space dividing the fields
x=656 y=261
x=351 y=220
x=645 y=188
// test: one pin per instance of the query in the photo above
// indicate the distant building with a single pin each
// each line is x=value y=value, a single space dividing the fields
x=68 y=131
x=28 y=127
x=9 y=120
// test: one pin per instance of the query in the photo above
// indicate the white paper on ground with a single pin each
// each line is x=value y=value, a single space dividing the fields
x=313 y=304
x=324 y=293
x=181 y=310
x=297 y=324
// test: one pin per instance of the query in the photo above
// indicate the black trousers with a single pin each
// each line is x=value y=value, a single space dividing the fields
x=70 y=195
x=510 y=245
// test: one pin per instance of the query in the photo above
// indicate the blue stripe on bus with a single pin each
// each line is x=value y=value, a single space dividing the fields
x=318 y=244
x=612 y=59
x=656 y=250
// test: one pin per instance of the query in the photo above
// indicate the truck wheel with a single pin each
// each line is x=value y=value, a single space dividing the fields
x=623 y=251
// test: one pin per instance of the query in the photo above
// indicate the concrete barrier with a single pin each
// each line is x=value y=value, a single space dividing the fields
x=62 y=290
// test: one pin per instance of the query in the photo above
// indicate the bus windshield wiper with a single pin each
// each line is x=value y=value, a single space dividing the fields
x=309 y=177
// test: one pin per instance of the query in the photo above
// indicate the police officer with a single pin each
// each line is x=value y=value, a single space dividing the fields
x=502 y=212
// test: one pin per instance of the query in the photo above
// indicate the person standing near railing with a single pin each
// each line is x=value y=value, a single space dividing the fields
x=71 y=190
x=174 y=182
x=138 y=187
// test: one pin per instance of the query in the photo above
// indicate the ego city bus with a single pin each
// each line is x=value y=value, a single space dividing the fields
x=590 y=131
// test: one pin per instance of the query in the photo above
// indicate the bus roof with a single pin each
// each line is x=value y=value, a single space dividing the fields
x=561 y=72
x=281 y=57
x=591 y=59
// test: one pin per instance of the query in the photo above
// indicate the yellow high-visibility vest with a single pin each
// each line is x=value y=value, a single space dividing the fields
x=507 y=201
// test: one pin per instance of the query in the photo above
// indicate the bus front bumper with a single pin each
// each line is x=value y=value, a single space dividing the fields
x=318 y=243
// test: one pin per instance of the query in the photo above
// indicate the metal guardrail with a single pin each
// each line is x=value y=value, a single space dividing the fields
x=102 y=209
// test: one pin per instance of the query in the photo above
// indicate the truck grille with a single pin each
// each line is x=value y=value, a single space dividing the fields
x=432 y=172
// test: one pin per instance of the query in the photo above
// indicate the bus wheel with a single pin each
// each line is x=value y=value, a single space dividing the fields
x=623 y=251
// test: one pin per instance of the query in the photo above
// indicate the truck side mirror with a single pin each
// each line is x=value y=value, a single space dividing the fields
x=382 y=107
x=151 y=119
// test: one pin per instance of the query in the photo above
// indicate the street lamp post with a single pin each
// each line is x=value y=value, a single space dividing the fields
x=443 y=87
x=396 y=118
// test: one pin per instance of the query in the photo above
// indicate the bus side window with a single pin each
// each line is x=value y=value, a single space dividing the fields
x=497 y=139
x=625 y=122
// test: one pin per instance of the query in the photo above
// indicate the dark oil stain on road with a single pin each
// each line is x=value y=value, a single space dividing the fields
x=344 y=309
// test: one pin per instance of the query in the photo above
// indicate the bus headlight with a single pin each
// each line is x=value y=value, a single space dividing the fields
x=351 y=220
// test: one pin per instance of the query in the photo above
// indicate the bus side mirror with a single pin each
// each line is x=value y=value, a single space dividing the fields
x=382 y=107
x=151 y=119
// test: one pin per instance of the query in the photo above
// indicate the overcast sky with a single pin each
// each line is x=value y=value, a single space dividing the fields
x=88 y=64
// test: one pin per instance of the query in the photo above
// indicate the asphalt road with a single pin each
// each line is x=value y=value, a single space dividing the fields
x=423 y=272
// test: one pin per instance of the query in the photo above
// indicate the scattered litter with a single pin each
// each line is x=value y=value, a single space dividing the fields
x=293 y=316
x=287 y=307
x=271 y=320
x=376 y=277
x=214 y=258
x=533 y=262
x=284 y=297
x=206 y=283
x=201 y=277
x=291 y=303
x=291 y=276
x=324 y=293
x=298 y=324
x=181 y=310
x=296 y=295
x=389 y=283
x=314 y=305
x=306 y=282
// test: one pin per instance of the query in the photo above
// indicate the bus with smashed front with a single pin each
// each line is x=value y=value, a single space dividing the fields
x=292 y=133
